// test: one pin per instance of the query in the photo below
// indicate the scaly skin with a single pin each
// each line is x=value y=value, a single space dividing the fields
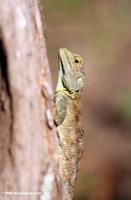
x=67 y=116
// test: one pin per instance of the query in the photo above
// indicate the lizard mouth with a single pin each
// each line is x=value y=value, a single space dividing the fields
x=61 y=65
x=64 y=61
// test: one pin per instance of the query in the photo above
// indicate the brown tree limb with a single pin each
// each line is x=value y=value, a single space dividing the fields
x=28 y=142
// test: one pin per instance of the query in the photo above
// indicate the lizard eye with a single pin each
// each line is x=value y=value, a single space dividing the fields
x=76 y=60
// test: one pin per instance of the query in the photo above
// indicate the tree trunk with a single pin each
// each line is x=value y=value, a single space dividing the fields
x=28 y=142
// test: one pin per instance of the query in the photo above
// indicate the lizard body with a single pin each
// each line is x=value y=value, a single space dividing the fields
x=67 y=116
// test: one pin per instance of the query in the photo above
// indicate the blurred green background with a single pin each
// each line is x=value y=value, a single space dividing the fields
x=100 y=31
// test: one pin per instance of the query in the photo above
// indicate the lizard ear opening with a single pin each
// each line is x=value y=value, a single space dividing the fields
x=80 y=82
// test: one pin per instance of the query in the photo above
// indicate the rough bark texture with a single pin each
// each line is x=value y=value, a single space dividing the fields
x=28 y=142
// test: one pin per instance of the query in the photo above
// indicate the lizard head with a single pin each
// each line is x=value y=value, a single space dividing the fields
x=72 y=68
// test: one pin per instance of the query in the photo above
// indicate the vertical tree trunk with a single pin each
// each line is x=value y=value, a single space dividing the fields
x=28 y=142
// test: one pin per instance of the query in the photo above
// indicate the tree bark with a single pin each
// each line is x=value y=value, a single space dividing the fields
x=28 y=142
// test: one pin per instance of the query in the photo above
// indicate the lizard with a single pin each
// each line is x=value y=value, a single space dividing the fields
x=71 y=80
